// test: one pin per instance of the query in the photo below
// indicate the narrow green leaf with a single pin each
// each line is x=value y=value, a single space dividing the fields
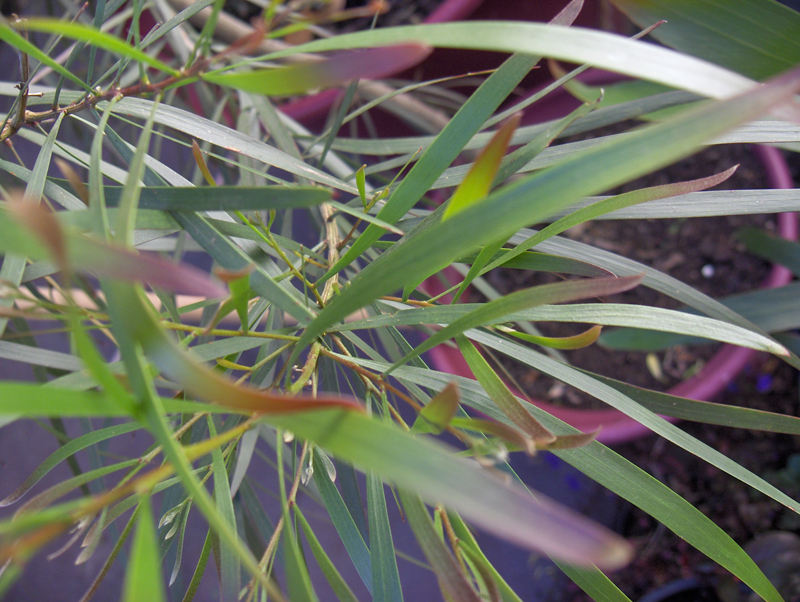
x=123 y=537
x=99 y=258
x=97 y=203
x=570 y=44
x=385 y=576
x=629 y=316
x=223 y=198
x=25 y=400
x=197 y=576
x=52 y=191
x=634 y=410
x=39 y=357
x=501 y=395
x=50 y=495
x=344 y=524
x=361 y=183
x=205 y=129
x=231 y=257
x=754 y=37
x=594 y=583
x=63 y=452
x=578 y=341
x=121 y=297
x=525 y=154
x=206 y=383
x=429 y=468
x=129 y=198
x=230 y=569
x=468 y=544
x=510 y=165
x=614 y=203
x=183 y=521
x=705 y=411
x=444 y=149
x=616 y=473
x=7 y=34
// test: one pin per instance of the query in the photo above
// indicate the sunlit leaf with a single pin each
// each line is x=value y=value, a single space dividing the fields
x=577 y=341
x=143 y=579
x=478 y=180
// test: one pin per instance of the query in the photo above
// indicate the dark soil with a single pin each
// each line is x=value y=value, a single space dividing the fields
x=682 y=248
x=661 y=556
x=401 y=12
x=702 y=252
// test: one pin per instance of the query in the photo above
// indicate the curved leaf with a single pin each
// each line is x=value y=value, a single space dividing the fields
x=754 y=37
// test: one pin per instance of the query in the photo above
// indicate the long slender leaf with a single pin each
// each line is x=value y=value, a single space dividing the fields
x=337 y=583
x=210 y=131
x=613 y=397
x=612 y=314
x=143 y=579
x=451 y=579
x=429 y=469
x=344 y=524
x=222 y=198
x=152 y=410
x=611 y=204
x=620 y=476
x=230 y=569
x=569 y=44
x=7 y=34
x=40 y=240
x=754 y=37
x=385 y=576
x=85 y=33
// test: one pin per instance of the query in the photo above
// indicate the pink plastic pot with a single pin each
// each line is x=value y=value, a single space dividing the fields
x=311 y=108
x=718 y=372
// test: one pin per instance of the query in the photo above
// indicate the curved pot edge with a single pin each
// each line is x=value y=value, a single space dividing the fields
x=312 y=107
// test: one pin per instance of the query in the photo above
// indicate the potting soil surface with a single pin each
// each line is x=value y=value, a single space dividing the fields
x=702 y=252
x=743 y=513
x=683 y=248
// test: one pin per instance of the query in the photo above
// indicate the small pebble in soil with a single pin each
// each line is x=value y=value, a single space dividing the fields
x=707 y=271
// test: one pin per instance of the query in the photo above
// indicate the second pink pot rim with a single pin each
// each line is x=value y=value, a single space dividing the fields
x=313 y=107
x=723 y=367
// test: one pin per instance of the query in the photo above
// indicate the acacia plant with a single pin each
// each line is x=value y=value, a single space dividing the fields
x=154 y=145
